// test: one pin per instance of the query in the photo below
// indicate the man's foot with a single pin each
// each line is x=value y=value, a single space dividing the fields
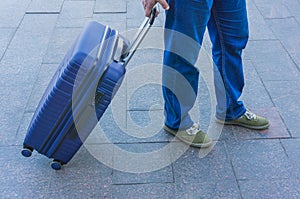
x=192 y=136
x=249 y=120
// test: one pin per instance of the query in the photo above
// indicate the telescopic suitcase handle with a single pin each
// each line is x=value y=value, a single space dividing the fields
x=140 y=35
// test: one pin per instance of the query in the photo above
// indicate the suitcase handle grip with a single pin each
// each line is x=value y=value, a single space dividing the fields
x=140 y=35
x=153 y=15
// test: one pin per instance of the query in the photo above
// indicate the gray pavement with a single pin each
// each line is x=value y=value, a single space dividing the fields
x=35 y=35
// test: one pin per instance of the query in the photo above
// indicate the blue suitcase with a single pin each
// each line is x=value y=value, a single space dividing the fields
x=80 y=91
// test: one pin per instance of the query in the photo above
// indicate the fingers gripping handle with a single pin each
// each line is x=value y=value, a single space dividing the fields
x=153 y=15
x=140 y=35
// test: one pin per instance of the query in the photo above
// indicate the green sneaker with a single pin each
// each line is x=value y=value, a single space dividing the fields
x=249 y=120
x=192 y=136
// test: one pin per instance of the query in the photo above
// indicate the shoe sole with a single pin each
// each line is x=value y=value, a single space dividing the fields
x=204 y=145
x=244 y=125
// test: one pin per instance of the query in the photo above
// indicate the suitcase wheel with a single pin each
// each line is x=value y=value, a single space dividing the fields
x=26 y=152
x=56 y=165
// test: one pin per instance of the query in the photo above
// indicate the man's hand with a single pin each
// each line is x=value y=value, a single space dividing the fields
x=149 y=4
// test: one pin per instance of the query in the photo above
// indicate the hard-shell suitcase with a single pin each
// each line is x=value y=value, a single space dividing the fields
x=80 y=91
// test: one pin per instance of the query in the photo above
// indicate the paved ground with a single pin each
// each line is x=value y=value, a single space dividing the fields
x=119 y=159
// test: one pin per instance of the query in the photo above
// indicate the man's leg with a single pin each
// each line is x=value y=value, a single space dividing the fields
x=228 y=29
x=185 y=25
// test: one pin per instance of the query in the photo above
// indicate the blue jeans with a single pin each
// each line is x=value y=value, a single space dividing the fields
x=186 y=22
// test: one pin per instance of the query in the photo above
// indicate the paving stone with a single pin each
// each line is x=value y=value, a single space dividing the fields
x=146 y=126
x=264 y=165
x=293 y=6
x=148 y=56
x=282 y=89
x=285 y=96
x=113 y=20
x=113 y=128
x=44 y=7
x=292 y=148
x=86 y=187
x=155 y=190
x=98 y=136
x=110 y=132
x=221 y=132
x=9 y=127
x=22 y=130
x=279 y=188
x=272 y=62
x=103 y=153
x=161 y=176
x=254 y=93
x=144 y=86
x=258 y=159
x=220 y=189
x=83 y=168
x=135 y=9
x=286 y=30
x=6 y=35
x=136 y=15
x=43 y=79
x=25 y=177
x=277 y=127
x=13 y=101
x=12 y=110
x=19 y=67
x=258 y=27
x=75 y=14
x=113 y=6
x=12 y=12
x=273 y=9
x=59 y=44
x=145 y=96
x=194 y=167
x=142 y=163
x=37 y=189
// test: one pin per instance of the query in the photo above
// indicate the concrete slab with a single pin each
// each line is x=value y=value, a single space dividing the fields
x=44 y=7
x=19 y=67
x=254 y=92
x=208 y=189
x=114 y=6
x=155 y=190
x=287 y=31
x=191 y=167
x=285 y=95
x=292 y=149
x=59 y=44
x=272 y=62
x=43 y=78
x=258 y=159
x=12 y=110
x=113 y=20
x=12 y=12
x=142 y=163
x=273 y=9
x=258 y=28
x=75 y=14
x=6 y=34
x=241 y=164
x=279 y=188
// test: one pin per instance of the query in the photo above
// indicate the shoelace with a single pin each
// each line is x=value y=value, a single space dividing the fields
x=250 y=116
x=193 y=130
